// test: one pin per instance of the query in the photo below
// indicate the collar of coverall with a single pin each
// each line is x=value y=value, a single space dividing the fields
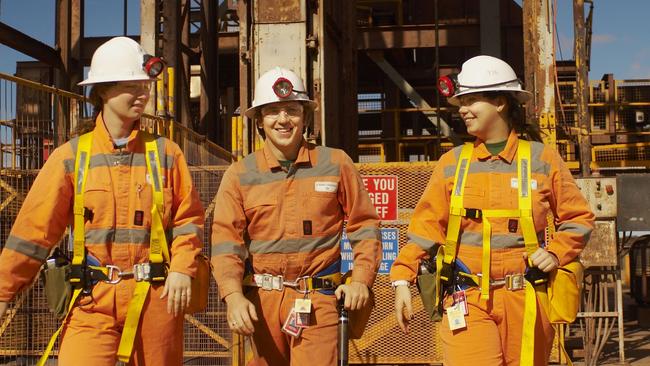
x=508 y=154
x=103 y=138
x=303 y=155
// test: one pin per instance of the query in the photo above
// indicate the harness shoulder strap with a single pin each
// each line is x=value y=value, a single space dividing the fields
x=81 y=167
x=456 y=208
x=525 y=197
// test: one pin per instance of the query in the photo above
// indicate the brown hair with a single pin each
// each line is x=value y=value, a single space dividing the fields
x=516 y=117
x=95 y=99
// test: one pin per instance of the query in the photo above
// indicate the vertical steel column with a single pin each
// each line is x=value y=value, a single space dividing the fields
x=210 y=123
x=243 y=12
x=148 y=31
x=490 y=23
x=582 y=86
x=539 y=65
x=69 y=30
x=170 y=51
x=183 y=69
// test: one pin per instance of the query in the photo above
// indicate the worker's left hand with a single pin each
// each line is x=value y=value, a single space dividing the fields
x=356 y=295
x=544 y=260
x=179 y=288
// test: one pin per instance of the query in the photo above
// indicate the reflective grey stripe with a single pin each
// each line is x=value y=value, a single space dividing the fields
x=497 y=240
x=230 y=248
x=575 y=228
x=82 y=166
x=460 y=183
x=423 y=243
x=117 y=236
x=296 y=245
x=524 y=178
x=28 y=248
x=135 y=159
x=498 y=166
x=74 y=143
x=323 y=168
x=154 y=171
x=365 y=233
x=187 y=229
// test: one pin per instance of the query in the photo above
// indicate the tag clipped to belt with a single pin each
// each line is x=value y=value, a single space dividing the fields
x=456 y=317
x=306 y=227
x=290 y=326
x=138 y=218
x=512 y=225
x=302 y=308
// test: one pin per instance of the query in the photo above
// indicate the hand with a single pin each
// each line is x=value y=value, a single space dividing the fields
x=356 y=295
x=240 y=314
x=544 y=260
x=179 y=288
x=3 y=308
x=403 y=307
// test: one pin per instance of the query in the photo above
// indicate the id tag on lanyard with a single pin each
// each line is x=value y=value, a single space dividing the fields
x=456 y=318
x=290 y=326
x=461 y=300
x=302 y=308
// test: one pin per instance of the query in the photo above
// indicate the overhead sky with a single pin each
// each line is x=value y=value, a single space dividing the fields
x=620 y=43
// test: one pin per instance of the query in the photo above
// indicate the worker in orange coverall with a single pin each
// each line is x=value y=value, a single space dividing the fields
x=118 y=219
x=280 y=212
x=486 y=327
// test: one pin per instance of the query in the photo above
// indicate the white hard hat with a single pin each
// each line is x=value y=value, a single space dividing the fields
x=278 y=85
x=487 y=73
x=118 y=59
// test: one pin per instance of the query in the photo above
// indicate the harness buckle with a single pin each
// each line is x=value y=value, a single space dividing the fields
x=515 y=282
x=473 y=213
x=114 y=274
x=302 y=285
x=446 y=273
x=142 y=272
x=270 y=282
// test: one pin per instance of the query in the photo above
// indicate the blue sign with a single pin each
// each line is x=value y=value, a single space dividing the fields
x=389 y=244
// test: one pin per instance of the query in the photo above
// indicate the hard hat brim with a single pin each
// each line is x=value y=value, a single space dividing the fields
x=110 y=79
x=522 y=96
x=250 y=112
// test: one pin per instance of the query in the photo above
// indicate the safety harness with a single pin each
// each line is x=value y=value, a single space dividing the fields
x=535 y=284
x=82 y=277
x=325 y=281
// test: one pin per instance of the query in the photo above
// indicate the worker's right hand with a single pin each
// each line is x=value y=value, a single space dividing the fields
x=3 y=308
x=241 y=314
x=403 y=307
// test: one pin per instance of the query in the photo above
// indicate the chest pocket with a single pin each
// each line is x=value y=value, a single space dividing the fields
x=98 y=199
x=261 y=212
x=144 y=204
x=474 y=196
x=322 y=207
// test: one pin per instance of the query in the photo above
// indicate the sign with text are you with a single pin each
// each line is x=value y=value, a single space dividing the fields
x=382 y=190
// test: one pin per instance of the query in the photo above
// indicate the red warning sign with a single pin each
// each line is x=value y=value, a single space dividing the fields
x=382 y=190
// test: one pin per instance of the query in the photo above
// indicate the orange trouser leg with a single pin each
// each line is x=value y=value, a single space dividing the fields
x=93 y=332
x=321 y=338
x=494 y=327
x=160 y=335
x=317 y=344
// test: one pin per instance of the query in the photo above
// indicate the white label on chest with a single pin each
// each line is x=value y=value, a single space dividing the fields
x=514 y=183
x=330 y=187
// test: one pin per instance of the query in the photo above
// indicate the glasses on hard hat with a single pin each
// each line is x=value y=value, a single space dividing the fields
x=274 y=111
x=448 y=85
x=153 y=65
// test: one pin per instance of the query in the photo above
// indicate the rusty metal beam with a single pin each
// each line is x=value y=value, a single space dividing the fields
x=228 y=44
x=209 y=101
x=31 y=47
x=582 y=86
x=539 y=65
x=244 y=14
x=419 y=36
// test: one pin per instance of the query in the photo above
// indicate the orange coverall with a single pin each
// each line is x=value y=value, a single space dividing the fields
x=493 y=332
x=290 y=224
x=116 y=187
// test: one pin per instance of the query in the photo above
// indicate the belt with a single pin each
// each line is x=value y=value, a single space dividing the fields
x=140 y=272
x=303 y=285
x=512 y=282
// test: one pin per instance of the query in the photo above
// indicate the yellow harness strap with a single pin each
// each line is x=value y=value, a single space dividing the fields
x=82 y=164
x=50 y=344
x=158 y=251
x=456 y=209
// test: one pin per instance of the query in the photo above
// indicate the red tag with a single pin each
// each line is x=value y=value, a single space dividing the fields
x=512 y=225
x=138 y=218
x=306 y=227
